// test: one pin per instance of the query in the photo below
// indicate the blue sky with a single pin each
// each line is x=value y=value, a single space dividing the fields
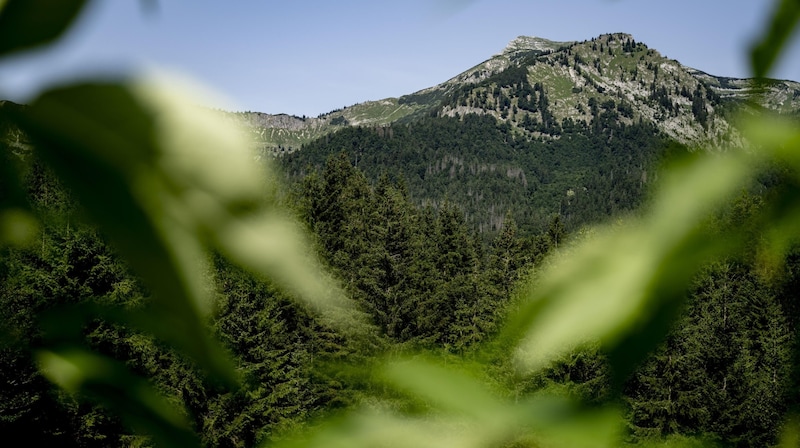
x=309 y=57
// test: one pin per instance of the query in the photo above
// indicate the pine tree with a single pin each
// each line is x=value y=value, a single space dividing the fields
x=724 y=369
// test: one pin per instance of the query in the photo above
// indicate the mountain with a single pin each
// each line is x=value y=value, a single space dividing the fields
x=543 y=129
x=284 y=133
x=687 y=105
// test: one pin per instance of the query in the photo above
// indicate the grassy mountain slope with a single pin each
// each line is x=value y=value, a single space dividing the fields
x=284 y=133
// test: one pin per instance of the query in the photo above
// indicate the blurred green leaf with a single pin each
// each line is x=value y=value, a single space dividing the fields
x=272 y=244
x=230 y=199
x=777 y=139
x=380 y=428
x=17 y=227
x=140 y=406
x=26 y=24
x=774 y=137
x=584 y=428
x=448 y=389
x=199 y=152
x=790 y=436
x=464 y=414
x=165 y=179
x=102 y=142
x=781 y=26
x=615 y=286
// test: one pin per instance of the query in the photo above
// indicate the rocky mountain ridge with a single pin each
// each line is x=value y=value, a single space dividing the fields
x=537 y=85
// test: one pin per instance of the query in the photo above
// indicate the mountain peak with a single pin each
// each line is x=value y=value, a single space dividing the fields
x=532 y=43
x=616 y=36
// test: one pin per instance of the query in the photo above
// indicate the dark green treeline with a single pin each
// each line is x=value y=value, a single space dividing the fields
x=583 y=172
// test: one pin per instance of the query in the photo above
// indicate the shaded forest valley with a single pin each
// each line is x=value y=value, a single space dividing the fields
x=428 y=276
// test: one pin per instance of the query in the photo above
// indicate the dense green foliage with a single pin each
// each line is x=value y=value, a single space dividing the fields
x=724 y=370
x=480 y=165
x=423 y=278
x=95 y=355
x=420 y=274
x=275 y=341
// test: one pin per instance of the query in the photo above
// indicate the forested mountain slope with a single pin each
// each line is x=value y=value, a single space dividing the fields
x=576 y=129
x=488 y=170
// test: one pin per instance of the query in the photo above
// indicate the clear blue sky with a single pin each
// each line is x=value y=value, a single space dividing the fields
x=309 y=57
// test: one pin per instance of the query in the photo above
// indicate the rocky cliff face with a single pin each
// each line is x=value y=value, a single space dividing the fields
x=615 y=72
